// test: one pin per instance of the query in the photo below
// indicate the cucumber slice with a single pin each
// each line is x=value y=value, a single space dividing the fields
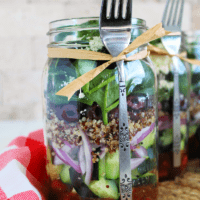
x=149 y=140
x=167 y=137
x=182 y=144
x=135 y=173
x=104 y=188
x=183 y=131
x=64 y=175
x=112 y=165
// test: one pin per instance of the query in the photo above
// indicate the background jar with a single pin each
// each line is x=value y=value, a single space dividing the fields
x=193 y=51
x=82 y=134
x=165 y=73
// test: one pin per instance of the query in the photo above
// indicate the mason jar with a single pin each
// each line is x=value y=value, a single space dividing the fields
x=81 y=134
x=168 y=169
x=193 y=51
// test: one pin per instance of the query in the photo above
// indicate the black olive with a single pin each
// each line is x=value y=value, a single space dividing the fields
x=94 y=112
x=95 y=173
x=167 y=106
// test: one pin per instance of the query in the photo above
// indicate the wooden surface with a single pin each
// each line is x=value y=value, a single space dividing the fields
x=185 y=187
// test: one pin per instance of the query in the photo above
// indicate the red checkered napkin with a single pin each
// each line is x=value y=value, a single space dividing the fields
x=22 y=169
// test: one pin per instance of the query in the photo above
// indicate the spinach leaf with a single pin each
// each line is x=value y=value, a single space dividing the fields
x=98 y=90
x=83 y=66
x=107 y=77
x=104 y=88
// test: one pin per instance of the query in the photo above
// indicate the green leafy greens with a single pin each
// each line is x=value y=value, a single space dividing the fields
x=104 y=89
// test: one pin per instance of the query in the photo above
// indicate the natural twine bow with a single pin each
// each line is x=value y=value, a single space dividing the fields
x=150 y=35
x=182 y=56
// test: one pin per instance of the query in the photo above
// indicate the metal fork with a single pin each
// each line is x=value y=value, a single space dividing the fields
x=172 y=19
x=115 y=32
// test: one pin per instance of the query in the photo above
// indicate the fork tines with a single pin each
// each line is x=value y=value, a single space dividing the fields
x=173 y=13
x=113 y=9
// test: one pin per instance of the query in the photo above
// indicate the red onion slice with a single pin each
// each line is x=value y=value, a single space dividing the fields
x=135 y=162
x=141 y=135
x=58 y=154
x=88 y=157
x=73 y=163
x=68 y=144
x=57 y=160
x=67 y=159
x=140 y=152
x=81 y=157
x=67 y=147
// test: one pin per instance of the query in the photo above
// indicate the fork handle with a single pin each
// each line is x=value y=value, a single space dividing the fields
x=176 y=116
x=124 y=144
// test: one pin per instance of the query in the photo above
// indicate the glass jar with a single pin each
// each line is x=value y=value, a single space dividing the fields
x=165 y=73
x=82 y=133
x=193 y=51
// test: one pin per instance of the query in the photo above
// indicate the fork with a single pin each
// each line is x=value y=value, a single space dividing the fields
x=172 y=19
x=115 y=33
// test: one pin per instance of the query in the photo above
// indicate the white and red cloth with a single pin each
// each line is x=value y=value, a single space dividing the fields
x=22 y=169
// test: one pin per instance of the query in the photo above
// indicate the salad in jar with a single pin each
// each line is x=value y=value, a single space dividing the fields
x=165 y=74
x=83 y=133
x=193 y=52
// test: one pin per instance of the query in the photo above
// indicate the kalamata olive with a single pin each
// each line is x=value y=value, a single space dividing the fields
x=94 y=112
x=69 y=113
x=167 y=105
x=134 y=103
x=137 y=103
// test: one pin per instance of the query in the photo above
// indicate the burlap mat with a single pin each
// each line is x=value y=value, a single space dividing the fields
x=185 y=187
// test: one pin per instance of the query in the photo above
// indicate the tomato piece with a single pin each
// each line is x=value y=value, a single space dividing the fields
x=58 y=185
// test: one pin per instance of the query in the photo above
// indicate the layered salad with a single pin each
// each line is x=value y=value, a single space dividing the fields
x=83 y=132
x=165 y=74
x=194 y=143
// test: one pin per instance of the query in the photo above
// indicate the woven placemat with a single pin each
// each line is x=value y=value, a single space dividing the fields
x=185 y=187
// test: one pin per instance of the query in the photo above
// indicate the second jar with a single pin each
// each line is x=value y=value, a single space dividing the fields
x=165 y=72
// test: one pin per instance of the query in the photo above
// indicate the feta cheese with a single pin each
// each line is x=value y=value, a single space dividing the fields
x=96 y=44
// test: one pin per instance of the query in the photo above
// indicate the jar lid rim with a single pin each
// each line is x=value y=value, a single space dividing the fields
x=70 y=22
